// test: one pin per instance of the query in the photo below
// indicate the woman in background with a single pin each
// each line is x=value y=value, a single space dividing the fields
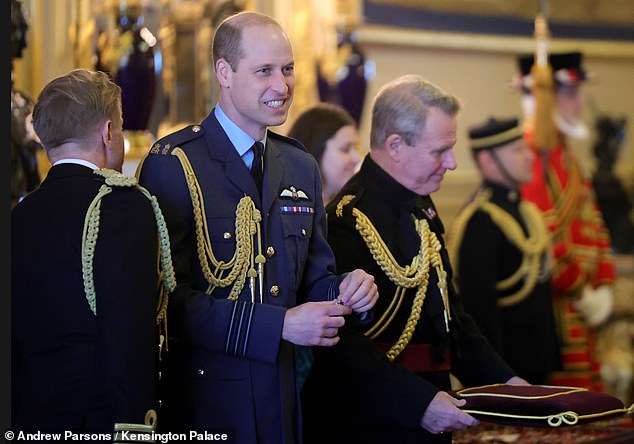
x=330 y=134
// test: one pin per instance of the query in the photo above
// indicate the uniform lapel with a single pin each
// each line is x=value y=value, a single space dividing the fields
x=221 y=149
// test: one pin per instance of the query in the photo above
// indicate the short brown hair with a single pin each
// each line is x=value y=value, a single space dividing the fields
x=317 y=124
x=401 y=106
x=227 y=42
x=70 y=108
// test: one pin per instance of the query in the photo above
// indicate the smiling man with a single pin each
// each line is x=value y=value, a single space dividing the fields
x=247 y=225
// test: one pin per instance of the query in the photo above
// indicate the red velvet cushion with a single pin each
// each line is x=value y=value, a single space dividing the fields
x=538 y=405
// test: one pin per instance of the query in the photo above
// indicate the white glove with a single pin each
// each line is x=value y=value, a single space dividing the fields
x=595 y=305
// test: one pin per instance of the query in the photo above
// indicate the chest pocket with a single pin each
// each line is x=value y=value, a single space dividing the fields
x=297 y=229
x=222 y=234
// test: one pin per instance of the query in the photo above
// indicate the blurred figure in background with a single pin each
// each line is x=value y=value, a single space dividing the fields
x=584 y=271
x=500 y=251
x=330 y=134
x=24 y=142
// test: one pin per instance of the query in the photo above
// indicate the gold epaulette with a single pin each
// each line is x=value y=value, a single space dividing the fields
x=345 y=200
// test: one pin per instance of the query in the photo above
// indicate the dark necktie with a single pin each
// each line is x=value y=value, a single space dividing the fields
x=257 y=167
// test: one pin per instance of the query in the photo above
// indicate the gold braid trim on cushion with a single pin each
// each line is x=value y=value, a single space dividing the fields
x=90 y=234
x=247 y=225
x=563 y=417
x=414 y=275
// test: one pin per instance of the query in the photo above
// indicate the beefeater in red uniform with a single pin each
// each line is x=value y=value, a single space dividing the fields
x=583 y=268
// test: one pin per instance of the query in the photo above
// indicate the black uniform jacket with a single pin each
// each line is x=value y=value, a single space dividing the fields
x=71 y=369
x=380 y=401
x=524 y=333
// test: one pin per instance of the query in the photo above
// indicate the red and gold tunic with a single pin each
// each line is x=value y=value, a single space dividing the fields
x=581 y=248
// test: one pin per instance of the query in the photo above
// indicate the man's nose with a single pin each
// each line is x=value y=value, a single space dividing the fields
x=450 y=161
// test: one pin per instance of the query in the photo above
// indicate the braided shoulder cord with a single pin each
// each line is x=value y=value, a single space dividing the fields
x=532 y=246
x=409 y=276
x=248 y=218
x=91 y=233
x=167 y=276
x=429 y=239
x=88 y=243
x=414 y=275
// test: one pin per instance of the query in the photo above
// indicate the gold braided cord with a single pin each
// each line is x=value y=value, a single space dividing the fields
x=537 y=240
x=167 y=277
x=533 y=246
x=414 y=275
x=409 y=276
x=392 y=309
x=248 y=219
x=433 y=250
x=566 y=199
x=88 y=243
x=345 y=200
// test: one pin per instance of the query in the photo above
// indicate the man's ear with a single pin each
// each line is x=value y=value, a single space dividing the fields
x=393 y=146
x=223 y=72
x=106 y=133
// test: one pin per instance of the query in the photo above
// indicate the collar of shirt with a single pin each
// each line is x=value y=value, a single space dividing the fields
x=78 y=162
x=240 y=140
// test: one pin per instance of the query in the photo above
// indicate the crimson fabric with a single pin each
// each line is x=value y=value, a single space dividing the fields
x=538 y=405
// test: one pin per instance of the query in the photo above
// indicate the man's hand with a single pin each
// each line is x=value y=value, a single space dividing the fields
x=443 y=415
x=314 y=323
x=358 y=291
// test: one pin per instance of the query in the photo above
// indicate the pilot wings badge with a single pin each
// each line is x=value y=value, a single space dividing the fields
x=293 y=193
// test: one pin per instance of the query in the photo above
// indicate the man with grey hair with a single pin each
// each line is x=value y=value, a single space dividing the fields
x=256 y=275
x=384 y=222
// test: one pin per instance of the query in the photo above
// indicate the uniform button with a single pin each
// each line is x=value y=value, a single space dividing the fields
x=196 y=128
x=270 y=251
x=303 y=232
x=201 y=371
x=275 y=290
x=226 y=235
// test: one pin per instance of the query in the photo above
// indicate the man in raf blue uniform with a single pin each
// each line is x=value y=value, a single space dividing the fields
x=247 y=226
